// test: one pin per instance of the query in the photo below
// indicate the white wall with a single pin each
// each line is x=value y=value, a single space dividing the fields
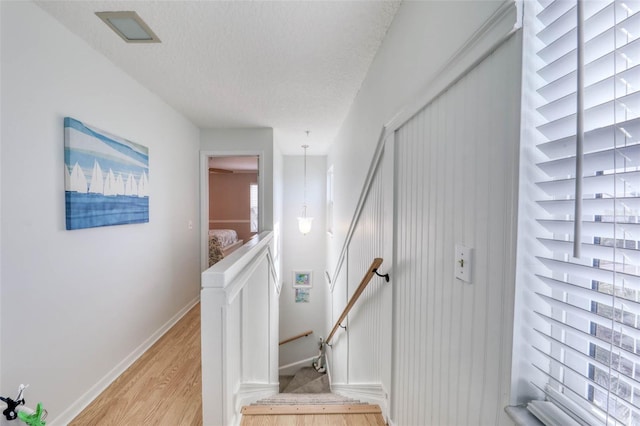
x=422 y=37
x=75 y=304
x=278 y=194
x=457 y=184
x=428 y=320
x=303 y=252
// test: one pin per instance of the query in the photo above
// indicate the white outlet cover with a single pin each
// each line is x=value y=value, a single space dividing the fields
x=463 y=263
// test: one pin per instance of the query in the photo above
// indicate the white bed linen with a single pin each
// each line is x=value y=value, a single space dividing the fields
x=225 y=236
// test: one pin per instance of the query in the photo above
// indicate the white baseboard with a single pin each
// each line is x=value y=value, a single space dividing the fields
x=248 y=393
x=81 y=403
x=295 y=366
x=373 y=393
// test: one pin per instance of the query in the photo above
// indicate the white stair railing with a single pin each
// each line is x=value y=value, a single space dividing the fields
x=239 y=305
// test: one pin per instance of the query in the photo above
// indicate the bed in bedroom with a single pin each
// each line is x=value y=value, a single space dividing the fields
x=222 y=242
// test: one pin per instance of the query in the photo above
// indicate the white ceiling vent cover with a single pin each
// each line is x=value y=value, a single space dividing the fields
x=129 y=26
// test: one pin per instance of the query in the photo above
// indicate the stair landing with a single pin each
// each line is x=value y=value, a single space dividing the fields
x=307 y=400
x=301 y=415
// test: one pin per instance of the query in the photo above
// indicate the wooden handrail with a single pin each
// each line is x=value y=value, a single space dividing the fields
x=297 y=336
x=363 y=284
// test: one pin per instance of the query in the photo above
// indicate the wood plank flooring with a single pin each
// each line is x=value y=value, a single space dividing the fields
x=163 y=387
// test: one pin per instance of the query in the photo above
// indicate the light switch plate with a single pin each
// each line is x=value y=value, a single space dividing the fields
x=463 y=263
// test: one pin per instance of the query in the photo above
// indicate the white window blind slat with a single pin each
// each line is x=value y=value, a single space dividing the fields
x=603 y=67
x=594 y=140
x=628 y=380
x=594 y=162
x=587 y=309
x=625 y=107
x=591 y=206
x=569 y=395
x=597 y=251
x=601 y=229
x=621 y=38
x=553 y=10
x=601 y=92
x=589 y=292
x=626 y=182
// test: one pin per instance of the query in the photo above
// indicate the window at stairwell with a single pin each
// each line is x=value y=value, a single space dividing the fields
x=587 y=310
x=253 y=205
x=330 y=200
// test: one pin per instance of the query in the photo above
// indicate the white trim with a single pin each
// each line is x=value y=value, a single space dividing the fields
x=230 y=221
x=274 y=273
x=242 y=261
x=521 y=416
x=373 y=393
x=248 y=393
x=294 y=366
x=81 y=403
x=328 y=369
x=496 y=30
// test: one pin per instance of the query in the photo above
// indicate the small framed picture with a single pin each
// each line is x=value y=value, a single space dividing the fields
x=302 y=295
x=302 y=279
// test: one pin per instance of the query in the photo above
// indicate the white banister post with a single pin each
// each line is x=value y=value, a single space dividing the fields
x=239 y=311
x=214 y=320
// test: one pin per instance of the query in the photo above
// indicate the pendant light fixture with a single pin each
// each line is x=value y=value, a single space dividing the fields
x=304 y=221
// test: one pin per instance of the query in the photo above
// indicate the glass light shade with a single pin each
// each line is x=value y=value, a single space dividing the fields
x=304 y=224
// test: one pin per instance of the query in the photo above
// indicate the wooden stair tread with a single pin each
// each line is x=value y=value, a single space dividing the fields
x=262 y=410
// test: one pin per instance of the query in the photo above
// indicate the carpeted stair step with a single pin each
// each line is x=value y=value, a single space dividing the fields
x=302 y=377
x=284 y=382
x=319 y=385
x=307 y=399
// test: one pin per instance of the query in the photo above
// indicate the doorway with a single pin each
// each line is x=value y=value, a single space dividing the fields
x=233 y=201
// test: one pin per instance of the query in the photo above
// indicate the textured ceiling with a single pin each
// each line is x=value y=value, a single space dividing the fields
x=289 y=65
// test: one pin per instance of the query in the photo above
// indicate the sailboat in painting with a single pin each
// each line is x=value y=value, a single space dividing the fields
x=143 y=186
x=131 y=187
x=97 y=180
x=94 y=196
x=77 y=180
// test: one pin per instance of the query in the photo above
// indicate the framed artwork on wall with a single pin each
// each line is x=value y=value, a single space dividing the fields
x=106 y=178
x=302 y=279
x=302 y=295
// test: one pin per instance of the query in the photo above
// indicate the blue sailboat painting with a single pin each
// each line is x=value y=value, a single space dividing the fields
x=106 y=178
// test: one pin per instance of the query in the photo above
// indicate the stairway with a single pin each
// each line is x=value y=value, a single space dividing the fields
x=306 y=380
x=306 y=398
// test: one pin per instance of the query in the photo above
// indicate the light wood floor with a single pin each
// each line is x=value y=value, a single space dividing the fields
x=163 y=387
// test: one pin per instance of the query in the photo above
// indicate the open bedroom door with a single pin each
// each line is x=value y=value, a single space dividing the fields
x=233 y=207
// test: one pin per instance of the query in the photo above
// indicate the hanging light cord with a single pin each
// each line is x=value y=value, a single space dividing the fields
x=304 y=196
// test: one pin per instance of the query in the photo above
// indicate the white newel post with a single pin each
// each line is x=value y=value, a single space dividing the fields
x=239 y=305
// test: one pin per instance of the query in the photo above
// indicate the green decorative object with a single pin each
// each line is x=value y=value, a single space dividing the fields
x=34 y=419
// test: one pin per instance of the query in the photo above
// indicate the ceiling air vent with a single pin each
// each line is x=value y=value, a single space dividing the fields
x=129 y=26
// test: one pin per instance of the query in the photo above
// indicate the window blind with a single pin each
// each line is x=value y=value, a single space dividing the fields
x=590 y=306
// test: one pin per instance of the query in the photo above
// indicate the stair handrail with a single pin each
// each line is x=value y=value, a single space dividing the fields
x=373 y=269
x=297 y=336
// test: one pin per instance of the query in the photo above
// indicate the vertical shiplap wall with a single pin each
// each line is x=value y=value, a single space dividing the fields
x=365 y=320
x=361 y=354
x=456 y=182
